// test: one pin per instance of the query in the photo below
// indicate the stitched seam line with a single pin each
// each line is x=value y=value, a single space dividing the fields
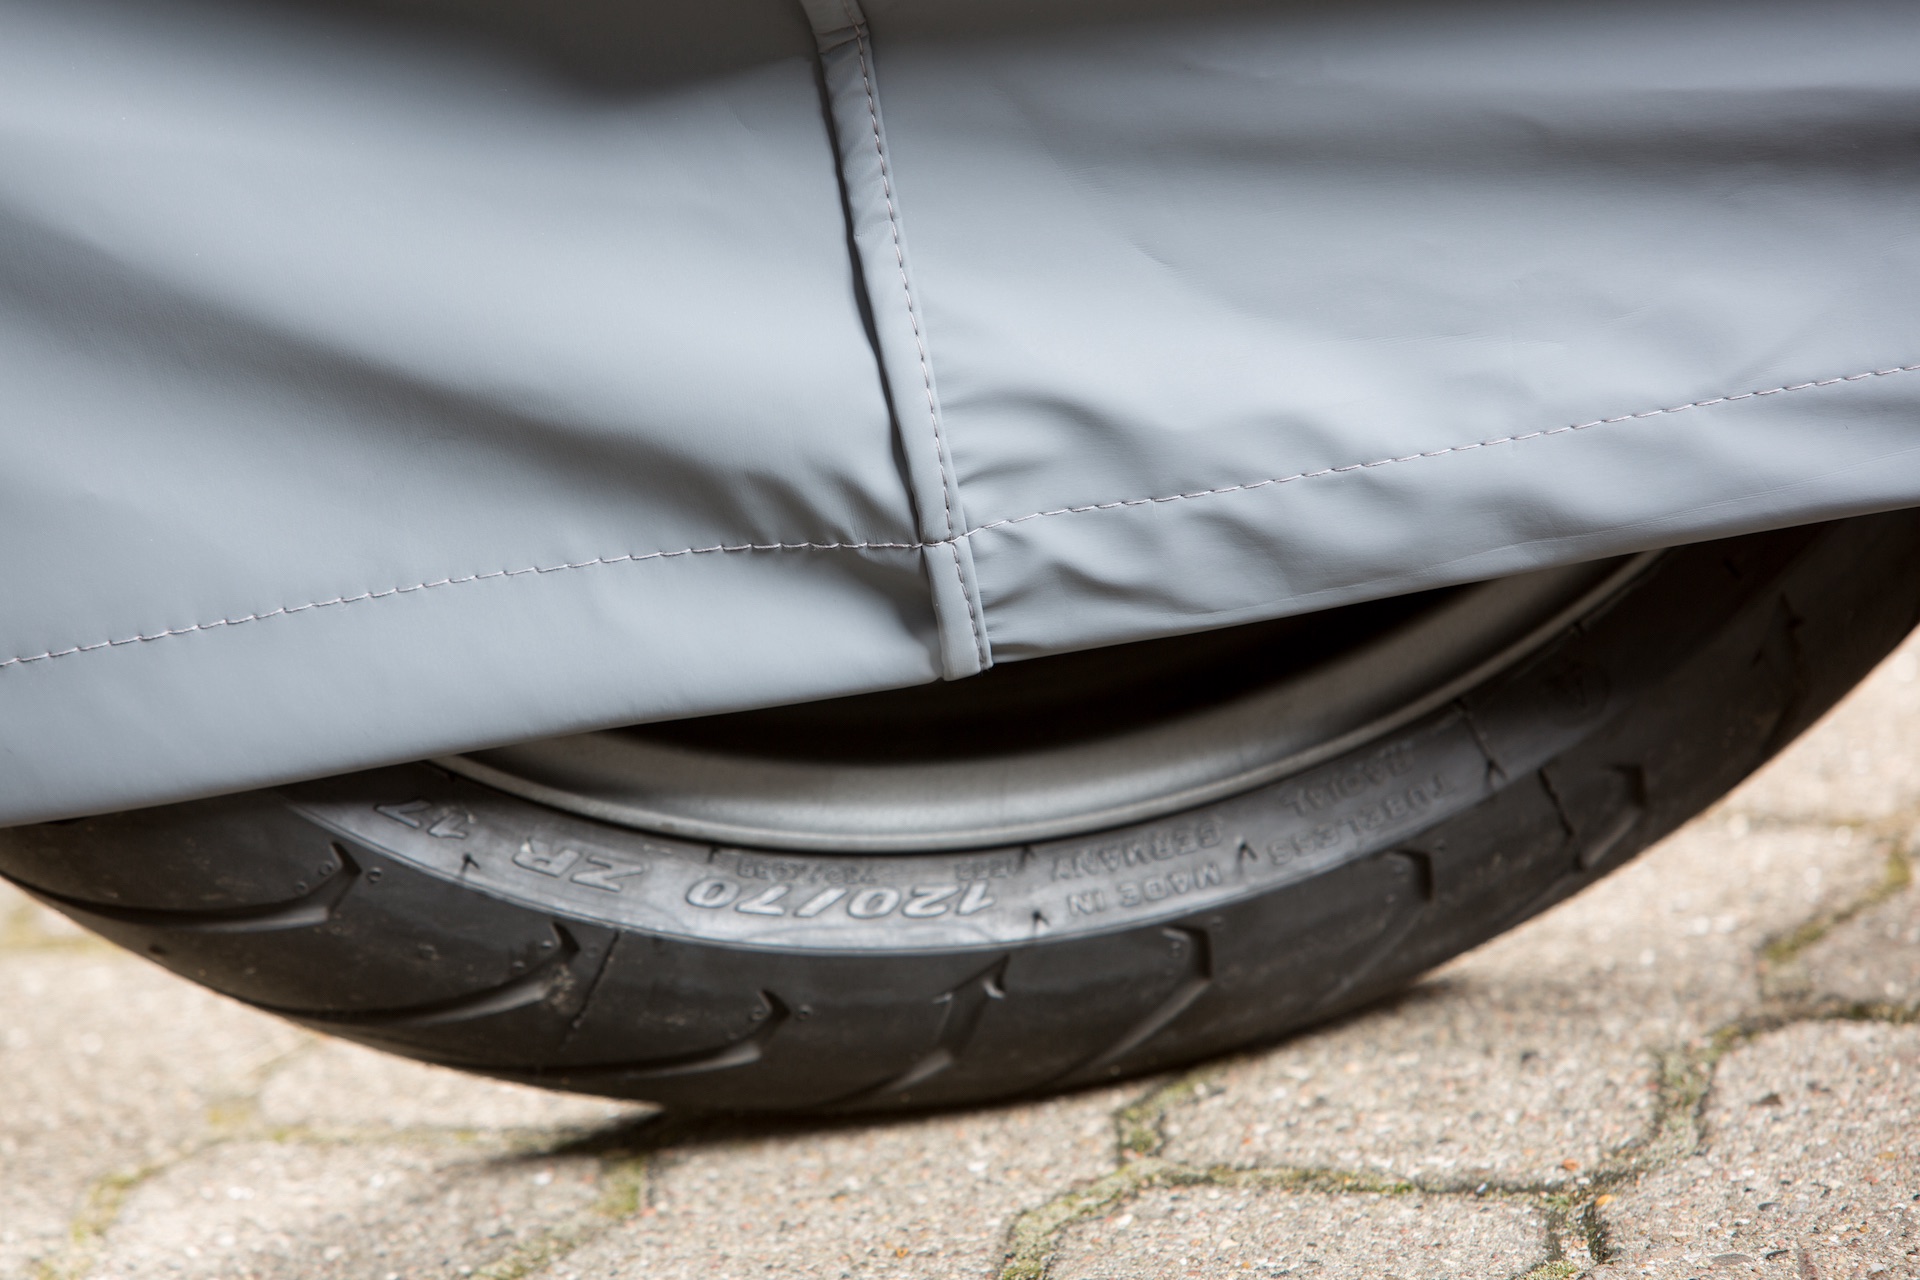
x=900 y=262
x=959 y=576
x=288 y=610
x=1441 y=453
x=913 y=316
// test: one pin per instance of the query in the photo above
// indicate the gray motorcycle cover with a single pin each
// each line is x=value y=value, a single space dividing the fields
x=383 y=379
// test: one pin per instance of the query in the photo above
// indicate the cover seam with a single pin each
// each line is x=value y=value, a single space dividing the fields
x=724 y=548
x=900 y=263
x=913 y=314
x=631 y=558
x=1441 y=453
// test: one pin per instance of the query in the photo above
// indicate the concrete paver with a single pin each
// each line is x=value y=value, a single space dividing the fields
x=1811 y=1167
x=281 y=1209
x=928 y=1197
x=108 y=1066
x=1871 y=959
x=1708 y=1065
x=1243 y=1231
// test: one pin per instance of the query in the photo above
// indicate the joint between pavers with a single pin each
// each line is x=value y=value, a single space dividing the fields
x=1138 y=1139
x=1786 y=948
x=627 y=1157
x=1599 y=1236
x=1139 y=1127
x=1034 y=1236
x=1033 y=1239
x=100 y=1206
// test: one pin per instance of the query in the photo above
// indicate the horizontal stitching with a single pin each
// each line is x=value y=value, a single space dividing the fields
x=289 y=610
x=1441 y=453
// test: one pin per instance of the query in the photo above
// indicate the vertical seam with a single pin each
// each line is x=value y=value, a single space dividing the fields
x=900 y=259
x=966 y=592
x=913 y=314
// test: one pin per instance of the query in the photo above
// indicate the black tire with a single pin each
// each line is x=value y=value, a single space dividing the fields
x=437 y=918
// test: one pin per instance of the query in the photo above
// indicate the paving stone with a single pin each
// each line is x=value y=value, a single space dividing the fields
x=1872 y=959
x=263 y=1209
x=1530 y=1059
x=1240 y=1232
x=107 y=1065
x=1860 y=763
x=929 y=1198
x=1811 y=1169
x=337 y=1085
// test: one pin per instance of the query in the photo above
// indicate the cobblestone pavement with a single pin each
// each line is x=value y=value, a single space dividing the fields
x=1707 y=1066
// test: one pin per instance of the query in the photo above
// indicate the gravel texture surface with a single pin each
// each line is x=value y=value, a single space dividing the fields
x=1707 y=1066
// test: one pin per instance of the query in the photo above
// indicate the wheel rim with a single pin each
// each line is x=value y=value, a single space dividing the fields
x=1056 y=745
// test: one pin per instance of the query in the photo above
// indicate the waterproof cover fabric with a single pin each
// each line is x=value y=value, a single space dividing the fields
x=379 y=380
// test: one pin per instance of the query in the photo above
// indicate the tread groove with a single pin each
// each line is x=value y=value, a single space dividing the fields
x=960 y=1018
x=1390 y=938
x=739 y=1052
x=515 y=993
x=1199 y=949
x=307 y=911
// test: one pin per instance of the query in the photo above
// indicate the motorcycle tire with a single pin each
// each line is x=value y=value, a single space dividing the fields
x=423 y=912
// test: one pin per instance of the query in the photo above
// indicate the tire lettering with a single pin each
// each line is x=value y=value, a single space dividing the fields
x=1134 y=893
x=403 y=813
x=448 y=822
x=762 y=904
x=713 y=893
x=820 y=902
x=870 y=904
x=1092 y=902
x=924 y=902
x=603 y=873
x=976 y=899
x=557 y=863
x=451 y=825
